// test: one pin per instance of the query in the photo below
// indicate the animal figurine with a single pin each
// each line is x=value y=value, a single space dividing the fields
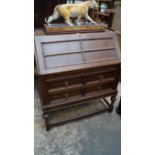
x=73 y=10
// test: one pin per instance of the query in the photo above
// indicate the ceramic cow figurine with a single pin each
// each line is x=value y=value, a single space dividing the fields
x=73 y=10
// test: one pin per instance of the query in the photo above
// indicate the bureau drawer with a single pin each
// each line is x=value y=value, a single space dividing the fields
x=67 y=86
x=57 y=81
x=66 y=92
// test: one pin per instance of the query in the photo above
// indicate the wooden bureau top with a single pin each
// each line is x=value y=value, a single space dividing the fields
x=69 y=52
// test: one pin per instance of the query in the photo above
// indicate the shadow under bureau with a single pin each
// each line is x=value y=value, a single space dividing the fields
x=73 y=69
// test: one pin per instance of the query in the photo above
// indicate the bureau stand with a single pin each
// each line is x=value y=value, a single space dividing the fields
x=75 y=69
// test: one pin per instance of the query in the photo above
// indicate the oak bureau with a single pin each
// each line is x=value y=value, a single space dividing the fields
x=75 y=68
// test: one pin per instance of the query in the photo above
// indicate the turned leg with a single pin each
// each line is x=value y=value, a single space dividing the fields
x=46 y=118
x=113 y=99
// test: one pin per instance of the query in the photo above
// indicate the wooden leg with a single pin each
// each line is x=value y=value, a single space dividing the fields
x=113 y=99
x=46 y=118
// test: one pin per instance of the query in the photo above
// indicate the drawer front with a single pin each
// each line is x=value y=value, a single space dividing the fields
x=80 y=84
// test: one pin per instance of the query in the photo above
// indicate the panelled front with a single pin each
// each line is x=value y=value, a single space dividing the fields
x=74 y=51
x=80 y=84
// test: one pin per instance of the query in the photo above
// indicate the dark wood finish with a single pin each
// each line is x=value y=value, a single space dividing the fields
x=76 y=68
